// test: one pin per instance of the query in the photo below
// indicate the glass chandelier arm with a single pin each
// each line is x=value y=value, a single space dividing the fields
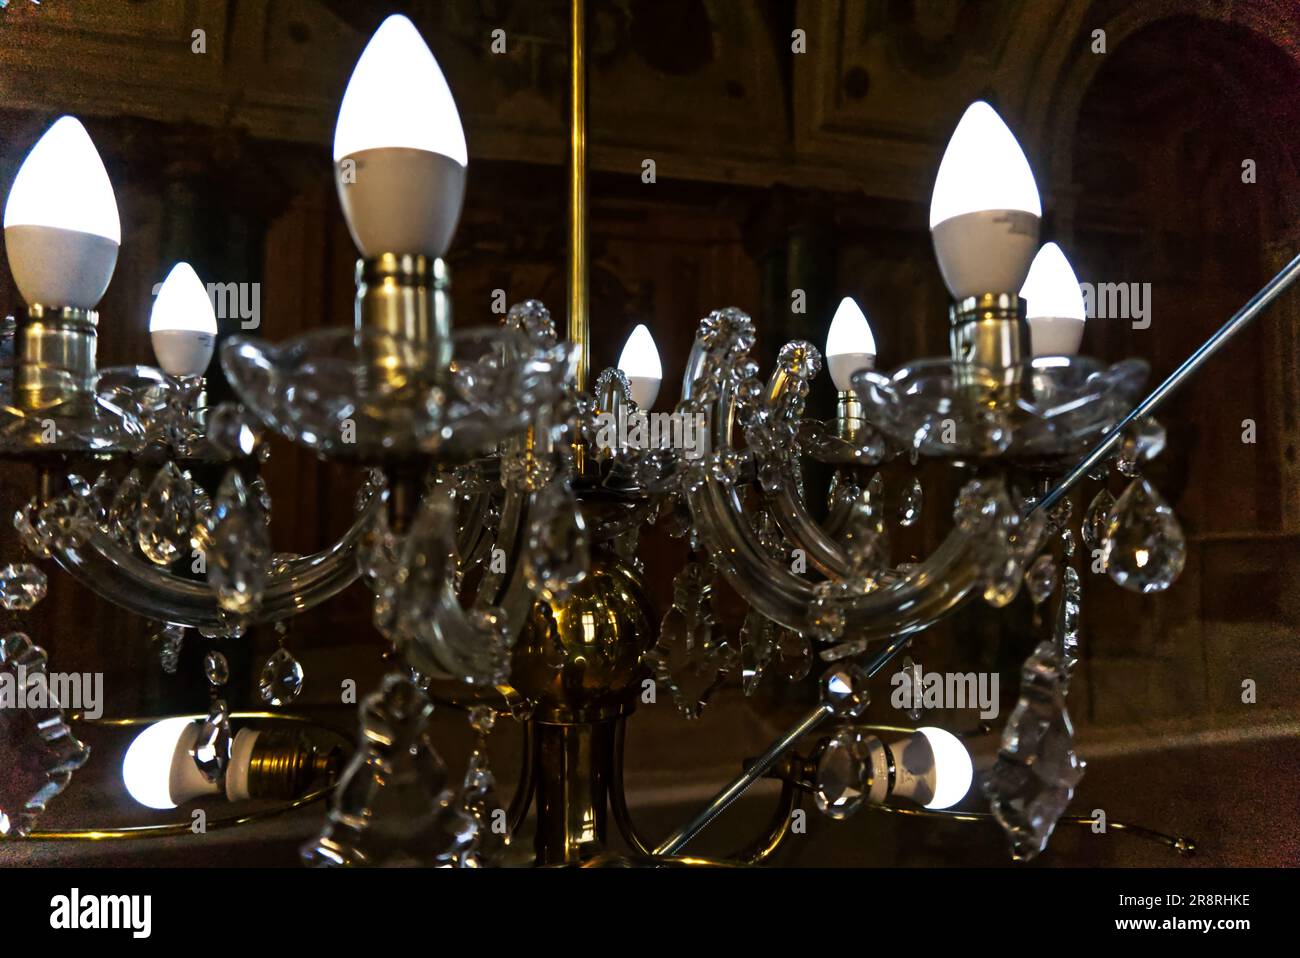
x=115 y=574
x=928 y=593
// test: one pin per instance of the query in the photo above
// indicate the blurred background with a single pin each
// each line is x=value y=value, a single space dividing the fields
x=775 y=171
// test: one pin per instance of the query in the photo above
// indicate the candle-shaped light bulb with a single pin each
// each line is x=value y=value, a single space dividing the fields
x=985 y=211
x=158 y=770
x=1054 y=304
x=183 y=325
x=640 y=364
x=62 y=230
x=399 y=148
x=849 y=344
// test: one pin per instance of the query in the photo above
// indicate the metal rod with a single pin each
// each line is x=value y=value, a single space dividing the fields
x=808 y=723
x=579 y=319
x=1270 y=291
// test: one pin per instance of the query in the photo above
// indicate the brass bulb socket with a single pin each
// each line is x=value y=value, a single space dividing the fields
x=284 y=765
x=54 y=358
x=848 y=415
x=989 y=340
x=406 y=297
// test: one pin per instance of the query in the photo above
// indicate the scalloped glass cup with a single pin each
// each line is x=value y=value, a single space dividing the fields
x=1048 y=408
x=369 y=396
x=101 y=423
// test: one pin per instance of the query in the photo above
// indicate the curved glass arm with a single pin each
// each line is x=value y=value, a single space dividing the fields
x=929 y=592
x=129 y=582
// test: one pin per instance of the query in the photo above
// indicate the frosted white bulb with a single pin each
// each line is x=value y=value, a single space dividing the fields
x=640 y=364
x=953 y=768
x=183 y=325
x=62 y=230
x=985 y=210
x=849 y=344
x=399 y=147
x=1054 y=304
x=158 y=771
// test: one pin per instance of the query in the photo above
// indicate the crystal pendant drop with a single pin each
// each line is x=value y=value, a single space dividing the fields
x=66 y=521
x=171 y=639
x=874 y=495
x=1144 y=549
x=22 y=586
x=558 y=553
x=216 y=668
x=163 y=526
x=120 y=522
x=909 y=510
x=32 y=533
x=240 y=554
x=392 y=806
x=1033 y=780
x=843 y=774
x=281 y=679
x=1040 y=579
x=755 y=650
x=1093 y=529
x=212 y=748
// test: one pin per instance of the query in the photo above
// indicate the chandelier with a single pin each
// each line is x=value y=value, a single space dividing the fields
x=498 y=525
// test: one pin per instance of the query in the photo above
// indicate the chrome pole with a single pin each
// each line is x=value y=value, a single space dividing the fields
x=808 y=723
x=1270 y=291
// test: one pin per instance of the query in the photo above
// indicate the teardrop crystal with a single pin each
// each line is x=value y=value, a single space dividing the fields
x=240 y=554
x=1093 y=528
x=1144 y=548
x=120 y=521
x=909 y=510
x=212 y=748
x=281 y=679
x=163 y=528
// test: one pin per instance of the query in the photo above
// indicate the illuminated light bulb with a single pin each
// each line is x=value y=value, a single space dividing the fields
x=183 y=325
x=159 y=771
x=931 y=768
x=985 y=210
x=849 y=344
x=640 y=364
x=62 y=230
x=399 y=147
x=953 y=768
x=1054 y=304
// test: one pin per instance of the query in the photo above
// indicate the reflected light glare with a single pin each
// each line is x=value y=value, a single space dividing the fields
x=398 y=97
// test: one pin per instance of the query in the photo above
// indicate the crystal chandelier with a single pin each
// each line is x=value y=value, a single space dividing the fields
x=497 y=528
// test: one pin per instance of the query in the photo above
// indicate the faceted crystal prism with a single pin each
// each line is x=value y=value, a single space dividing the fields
x=846 y=689
x=171 y=639
x=1093 y=528
x=1033 y=780
x=1144 y=549
x=558 y=553
x=38 y=752
x=163 y=527
x=392 y=806
x=22 y=586
x=1040 y=579
x=281 y=679
x=212 y=748
x=240 y=554
x=909 y=510
x=120 y=522
x=843 y=773
x=756 y=647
